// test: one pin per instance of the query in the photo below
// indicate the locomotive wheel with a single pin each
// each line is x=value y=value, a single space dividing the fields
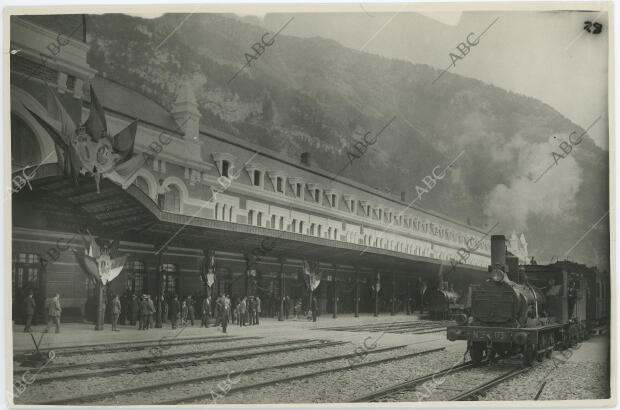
x=476 y=352
x=542 y=343
x=551 y=344
x=528 y=354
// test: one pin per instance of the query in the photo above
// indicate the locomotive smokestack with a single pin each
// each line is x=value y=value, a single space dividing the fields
x=498 y=252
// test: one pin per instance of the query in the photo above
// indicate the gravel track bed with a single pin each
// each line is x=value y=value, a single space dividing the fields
x=152 y=353
x=567 y=381
x=41 y=392
x=159 y=396
x=341 y=386
x=443 y=388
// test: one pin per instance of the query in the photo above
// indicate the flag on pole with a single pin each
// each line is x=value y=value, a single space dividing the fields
x=312 y=278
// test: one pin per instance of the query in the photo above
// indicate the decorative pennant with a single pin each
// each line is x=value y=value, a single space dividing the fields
x=89 y=149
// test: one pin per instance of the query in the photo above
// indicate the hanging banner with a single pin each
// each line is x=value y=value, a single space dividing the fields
x=312 y=277
x=97 y=262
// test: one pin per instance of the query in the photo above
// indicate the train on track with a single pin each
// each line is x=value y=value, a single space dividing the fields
x=530 y=309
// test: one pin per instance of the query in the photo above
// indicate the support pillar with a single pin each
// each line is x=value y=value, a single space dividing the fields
x=100 y=307
x=408 y=297
x=356 y=294
x=335 y=290
x=281 y=312
x=377 y=284
x=159 y=290
x=393 y=307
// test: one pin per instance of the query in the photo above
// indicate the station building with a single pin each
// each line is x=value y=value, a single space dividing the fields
x=373 y=249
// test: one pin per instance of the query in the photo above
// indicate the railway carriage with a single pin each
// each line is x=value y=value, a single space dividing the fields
x=530 y=310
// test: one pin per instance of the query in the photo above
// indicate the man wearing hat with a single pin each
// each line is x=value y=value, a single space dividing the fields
x=29 y=306
x=174 y=311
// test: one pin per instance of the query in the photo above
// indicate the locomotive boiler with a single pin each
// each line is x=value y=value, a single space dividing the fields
x=512 y=314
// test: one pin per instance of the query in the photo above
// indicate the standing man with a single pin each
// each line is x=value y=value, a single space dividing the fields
x=144 y=313
x=190 y=309
x=251 y=309
x=116 y=312
x=287 y=306
x=174 y=311
x=206 y=312
x=134 y=306
x=53 y=313
x=224 y=303
x=29 y=308
x=258 y=309
x=151 y=307
x=242 y=310
x=314 y=308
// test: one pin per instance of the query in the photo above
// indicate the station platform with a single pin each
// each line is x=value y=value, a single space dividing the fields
x=82 y=334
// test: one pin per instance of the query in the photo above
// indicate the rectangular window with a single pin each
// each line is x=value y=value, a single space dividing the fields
x=256 y=178
x=279 y=184
x=317 y=195
x=298 y=190
x=333 y=200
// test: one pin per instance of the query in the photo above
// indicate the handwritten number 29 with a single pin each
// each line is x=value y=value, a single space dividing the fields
x=587 y=26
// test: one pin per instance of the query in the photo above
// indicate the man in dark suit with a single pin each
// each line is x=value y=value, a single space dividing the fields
x=206 y=311
x=173 y=309
x=29 y=307
x=144 y=313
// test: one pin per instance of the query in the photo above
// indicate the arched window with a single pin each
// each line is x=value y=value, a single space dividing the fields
x=301 y=226
x=336 y=233
x=225 y=168
x=24 y=144
x=294 y=225
x=230 y=214
x=281 y=223
x=273 y=222
x=250 y=217
x=312 y=229
x=224 y=209
x=329 y=232
x=142 y=184
x=172 y=199
x=170 y=278
x=259 y=219
x=26 y=272
x=135 y=273
x=319 y=231
x=217 y=211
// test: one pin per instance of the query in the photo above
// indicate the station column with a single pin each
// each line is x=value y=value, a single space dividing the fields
x=356 y=294
x=393 y=307
x=334 y=288
x=408 y=297
x=159 y=289
x=281 y=311
x=377 y=285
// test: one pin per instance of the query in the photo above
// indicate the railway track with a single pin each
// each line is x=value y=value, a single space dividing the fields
x=405 y=327
x=148 y=364
x=137 y=346
x=458 y=383
x=222 y=376
x=233 y=390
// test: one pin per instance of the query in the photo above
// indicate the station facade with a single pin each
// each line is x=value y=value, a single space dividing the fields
x=371 y=246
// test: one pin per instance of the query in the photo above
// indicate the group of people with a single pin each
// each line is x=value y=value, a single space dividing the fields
x=53 y=312
x=247 y=311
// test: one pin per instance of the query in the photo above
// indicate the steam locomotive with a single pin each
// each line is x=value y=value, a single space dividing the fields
x=528 y=310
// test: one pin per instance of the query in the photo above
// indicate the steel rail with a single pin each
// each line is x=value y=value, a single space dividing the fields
x=300 y=376
x=95 y=396
x=136 y=346
x=149 y=367
x=62 y=350
x=410 y=383
x=486 y=386
x=160 y=357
